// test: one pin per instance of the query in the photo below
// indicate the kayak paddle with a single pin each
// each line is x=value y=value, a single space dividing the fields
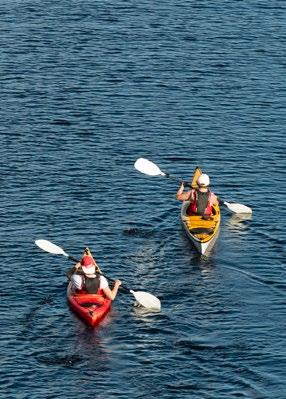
x=151 y=169
x=145 y=299
x=235 y=208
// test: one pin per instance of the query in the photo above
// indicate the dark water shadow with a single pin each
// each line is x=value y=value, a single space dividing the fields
x=30 y=317
x=138 y=232
x=68 y=360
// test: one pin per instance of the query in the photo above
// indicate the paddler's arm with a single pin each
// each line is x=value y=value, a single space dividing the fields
x=73 y=270
x=111 y=293
x=214 y=199
x=181 y=196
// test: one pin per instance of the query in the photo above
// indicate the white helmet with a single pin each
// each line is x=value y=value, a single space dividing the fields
x=203 y=180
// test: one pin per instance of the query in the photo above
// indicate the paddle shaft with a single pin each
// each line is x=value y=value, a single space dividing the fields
x=107 y=278
x=236 y=208
x=166 y=174
x=143 y=298
x=221 y=202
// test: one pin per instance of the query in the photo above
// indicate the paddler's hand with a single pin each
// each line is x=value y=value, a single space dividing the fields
x=77 y=266
x=180 y=190
x=117 y=283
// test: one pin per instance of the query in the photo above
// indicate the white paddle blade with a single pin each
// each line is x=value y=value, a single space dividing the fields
x=148 y=167
x=50 y=247
x=147 y=300
x=238 y=208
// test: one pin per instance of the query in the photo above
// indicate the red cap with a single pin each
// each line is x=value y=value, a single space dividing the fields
x=87 y=260
x=87 y=264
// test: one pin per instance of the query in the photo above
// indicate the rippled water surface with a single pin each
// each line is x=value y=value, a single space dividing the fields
x=86 y=89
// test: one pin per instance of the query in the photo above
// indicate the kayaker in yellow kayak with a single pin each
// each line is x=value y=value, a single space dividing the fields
x=200 y=196
x=86 y=276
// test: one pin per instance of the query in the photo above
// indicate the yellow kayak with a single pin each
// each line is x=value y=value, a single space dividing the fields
x=202 y=232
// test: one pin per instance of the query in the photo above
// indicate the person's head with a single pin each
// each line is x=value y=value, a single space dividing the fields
x=203 y=180
x=87 y=264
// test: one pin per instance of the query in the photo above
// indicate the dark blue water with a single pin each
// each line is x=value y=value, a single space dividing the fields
x=86 y=89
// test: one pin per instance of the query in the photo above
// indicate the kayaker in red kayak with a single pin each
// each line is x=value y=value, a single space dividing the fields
x=201 y=198
x=86 y=277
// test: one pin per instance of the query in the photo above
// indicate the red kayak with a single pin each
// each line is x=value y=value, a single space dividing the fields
x=91 y=308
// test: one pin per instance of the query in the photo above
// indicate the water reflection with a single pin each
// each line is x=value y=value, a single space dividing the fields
x=205 y=264
x=93 y=343
x=143 y=312
x=238 y=222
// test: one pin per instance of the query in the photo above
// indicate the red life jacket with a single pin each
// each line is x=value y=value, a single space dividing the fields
x=201 y=205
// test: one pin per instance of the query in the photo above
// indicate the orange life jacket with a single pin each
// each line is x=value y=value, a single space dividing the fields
x=201 y=204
